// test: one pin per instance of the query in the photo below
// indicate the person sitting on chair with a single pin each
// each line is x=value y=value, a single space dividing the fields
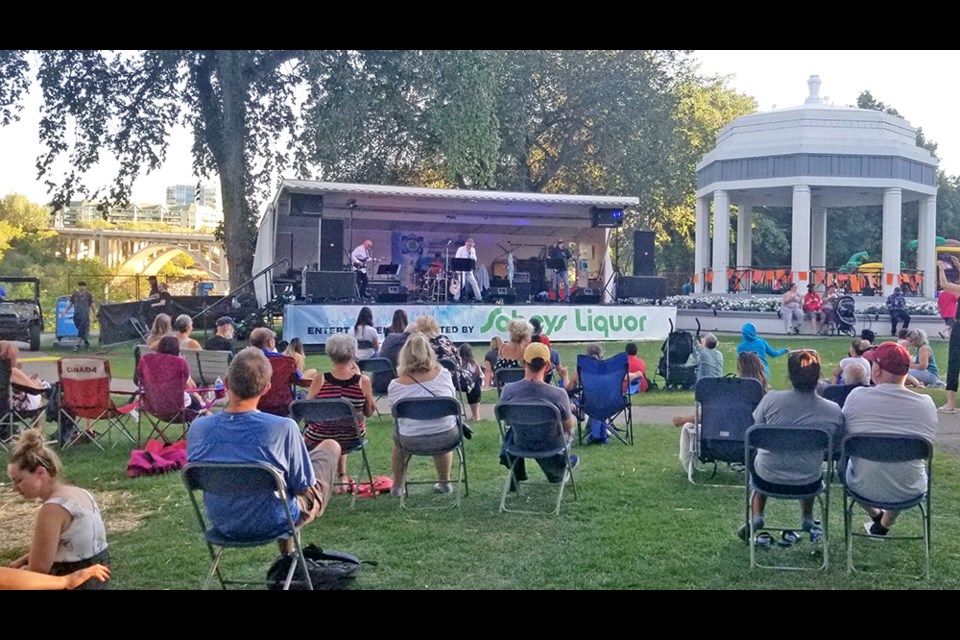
x=344 y=381
x=223 y=340
x=637 y=370
x=419 y=375
x=858 y=347
x=162 y=326
x=800 y=406
x=882 y=409
x=532 y=388
x=183 y=325
x=241 y=433
x=265 y=339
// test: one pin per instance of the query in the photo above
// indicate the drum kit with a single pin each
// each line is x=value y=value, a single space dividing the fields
x=436 y=285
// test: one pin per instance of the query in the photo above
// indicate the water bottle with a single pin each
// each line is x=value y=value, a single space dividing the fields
x=218 y=385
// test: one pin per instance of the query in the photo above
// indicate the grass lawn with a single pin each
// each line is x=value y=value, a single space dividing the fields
x=638 y=523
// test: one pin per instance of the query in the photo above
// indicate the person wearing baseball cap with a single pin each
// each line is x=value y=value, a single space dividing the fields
x=532 y=388
x=888 y=408
x=223 y=341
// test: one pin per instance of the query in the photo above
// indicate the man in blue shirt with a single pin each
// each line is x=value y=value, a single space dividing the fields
x=241 y=433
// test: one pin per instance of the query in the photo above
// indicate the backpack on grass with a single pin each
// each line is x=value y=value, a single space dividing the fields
x=329 y=570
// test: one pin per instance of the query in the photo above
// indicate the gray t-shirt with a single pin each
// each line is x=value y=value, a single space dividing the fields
x=530 y=391
x=711 y=364
x=81 y=301
x=794 y=408
x=889 y=408
x=390 y=349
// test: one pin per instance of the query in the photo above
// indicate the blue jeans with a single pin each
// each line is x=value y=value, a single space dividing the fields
x=562 y=277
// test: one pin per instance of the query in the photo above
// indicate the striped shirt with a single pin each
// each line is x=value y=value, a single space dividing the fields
x=340 y=430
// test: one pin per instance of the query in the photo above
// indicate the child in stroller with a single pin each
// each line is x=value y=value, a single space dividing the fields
x=844 y=317
x=678 y=364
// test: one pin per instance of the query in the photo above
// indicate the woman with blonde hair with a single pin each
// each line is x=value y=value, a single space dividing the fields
x=519 y=334
x=161 y=326
x=924 y=365
x=69 y=533
x=441 y=344
x=490 y=360
x=295 y=351
x=419 y=375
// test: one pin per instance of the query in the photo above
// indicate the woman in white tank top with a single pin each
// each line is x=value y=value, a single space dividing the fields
x=69 y=534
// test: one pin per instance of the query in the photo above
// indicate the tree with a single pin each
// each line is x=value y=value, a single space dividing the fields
x=19 y=211
x=239 y=104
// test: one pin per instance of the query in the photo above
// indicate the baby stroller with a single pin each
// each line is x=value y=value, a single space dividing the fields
x=678 y=364
x=844 y=317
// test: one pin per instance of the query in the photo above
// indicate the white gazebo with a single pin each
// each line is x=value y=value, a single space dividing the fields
x=814 y=157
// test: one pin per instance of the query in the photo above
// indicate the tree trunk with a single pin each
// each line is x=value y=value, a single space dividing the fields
x=239 y=236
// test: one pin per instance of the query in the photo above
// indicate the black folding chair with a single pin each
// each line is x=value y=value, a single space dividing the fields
x=889 y=449
x=450 y=365
x=507 y=375
x=375 y=366
x=239 y=481
x=433 y=408
x=535 y=431
x=724 y=412
x=327 y=410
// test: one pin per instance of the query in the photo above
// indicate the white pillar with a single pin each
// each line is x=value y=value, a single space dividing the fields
x=891 y=239
x=721 y=240
x=818 y=237
x=745 y=236
x=927 y=249
x=800 y=249
x=701 y=244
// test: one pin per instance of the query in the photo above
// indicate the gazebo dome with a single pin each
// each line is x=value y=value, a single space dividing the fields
x=820 y=145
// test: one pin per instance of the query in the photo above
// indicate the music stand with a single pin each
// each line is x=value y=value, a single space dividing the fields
x=462 y=264
x=557 y=264
x=391 y=269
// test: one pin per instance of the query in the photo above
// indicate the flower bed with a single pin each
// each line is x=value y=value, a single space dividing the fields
x=753 y=303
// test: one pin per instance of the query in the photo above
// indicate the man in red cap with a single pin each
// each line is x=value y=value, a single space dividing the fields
x=889 y=408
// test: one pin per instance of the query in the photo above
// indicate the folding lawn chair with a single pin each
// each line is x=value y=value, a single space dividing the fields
x=450 y=365
x=793 y=440
x=601 y=396
x=337 y=415
x=207 y=366
x=13 y=421
x=724 y=412
x=85 y=400
x=893 y=450
x=282 y=390
x=506 y=375
x=142 y=330
x=535 y=431
x=430 y=409
x=242 y=482
x=375 y=366
x=163 y=381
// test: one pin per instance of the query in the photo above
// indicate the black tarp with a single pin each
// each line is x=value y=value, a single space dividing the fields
x=115 y=325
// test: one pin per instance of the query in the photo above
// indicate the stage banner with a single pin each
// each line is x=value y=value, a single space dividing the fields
x=478 y=323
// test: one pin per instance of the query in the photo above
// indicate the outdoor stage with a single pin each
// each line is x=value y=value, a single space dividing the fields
x=478 y=322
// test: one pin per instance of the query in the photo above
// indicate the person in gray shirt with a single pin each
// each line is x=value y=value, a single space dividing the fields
x=710 y=359
x=532 y=388
x=800 y=406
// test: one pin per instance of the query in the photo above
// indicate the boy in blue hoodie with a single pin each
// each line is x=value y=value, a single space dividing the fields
x=758 y=346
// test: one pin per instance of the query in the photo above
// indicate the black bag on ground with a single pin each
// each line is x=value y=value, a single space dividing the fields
x=328 y=570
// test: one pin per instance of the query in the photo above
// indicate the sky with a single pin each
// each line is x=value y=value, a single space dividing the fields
x=912 y=82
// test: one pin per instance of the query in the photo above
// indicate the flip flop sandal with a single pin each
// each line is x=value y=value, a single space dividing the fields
x=345 y=487
x=788 y=539
x=763 y=539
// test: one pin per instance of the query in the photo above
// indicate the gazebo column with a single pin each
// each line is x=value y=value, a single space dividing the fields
x=745 y=236
x=800 y=249
x=927 y=245
x=721 y=240
x=891 y=239
x=818 y=238
x=701 y=244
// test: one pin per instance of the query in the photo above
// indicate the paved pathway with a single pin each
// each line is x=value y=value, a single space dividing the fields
x=44 y=364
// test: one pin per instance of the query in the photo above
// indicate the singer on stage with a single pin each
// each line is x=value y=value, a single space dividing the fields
x=560 y=252
x=359 y=258
x=467 y=277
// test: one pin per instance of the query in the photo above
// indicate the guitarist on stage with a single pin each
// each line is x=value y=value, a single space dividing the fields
x=359 y=258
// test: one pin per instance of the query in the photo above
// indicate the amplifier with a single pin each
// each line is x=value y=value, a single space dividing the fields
x=391 y=293
x=329 y=285
x=506 y=295
x=521 y=276
x=586 y=295
x=649 y=287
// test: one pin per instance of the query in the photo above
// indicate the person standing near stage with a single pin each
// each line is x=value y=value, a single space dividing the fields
x=359 y=257
x=560 y=252
x=81 y=301
x=467 y=277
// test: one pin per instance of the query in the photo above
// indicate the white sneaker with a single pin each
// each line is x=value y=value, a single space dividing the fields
x=443 y=487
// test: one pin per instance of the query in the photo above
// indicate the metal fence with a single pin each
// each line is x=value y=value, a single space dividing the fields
x=113 y=289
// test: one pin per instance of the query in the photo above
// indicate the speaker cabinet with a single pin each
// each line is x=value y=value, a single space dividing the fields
x=304 y=204
x=329 y=285
x=506 y=295
x=586 y=295
x=643 y=254
x=600 y=217
x=649 y=287
x=391 y=293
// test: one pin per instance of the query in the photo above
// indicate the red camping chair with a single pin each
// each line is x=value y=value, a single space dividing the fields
x=85 y=399
x=163 y=380
x=282 y=386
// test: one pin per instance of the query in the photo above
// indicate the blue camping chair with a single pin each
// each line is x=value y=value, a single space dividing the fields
x=724 y=412
x=601 y=395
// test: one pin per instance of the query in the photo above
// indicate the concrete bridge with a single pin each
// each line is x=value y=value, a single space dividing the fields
x=144 y=252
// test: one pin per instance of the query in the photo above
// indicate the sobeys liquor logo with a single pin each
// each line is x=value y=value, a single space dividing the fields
x=584 y=320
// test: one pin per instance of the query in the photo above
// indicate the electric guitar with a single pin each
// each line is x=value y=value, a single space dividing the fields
x=455 y=285
x=360 y=264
